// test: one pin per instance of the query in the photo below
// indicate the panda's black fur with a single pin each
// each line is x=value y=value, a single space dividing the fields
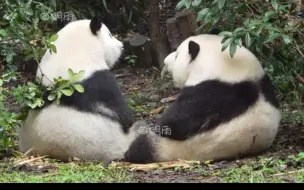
x=106 y=92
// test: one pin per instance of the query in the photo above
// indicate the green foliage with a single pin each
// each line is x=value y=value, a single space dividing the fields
x=66 y=87
x=131 y=59
x=23 y=33
x=263 y=27
x=120 y=16
x=66 y=173
x=7 y=120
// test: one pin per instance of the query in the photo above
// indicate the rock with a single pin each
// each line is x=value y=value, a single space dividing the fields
x=155 y=98
x=152 y=104
x=139 y=114
x=145 y=113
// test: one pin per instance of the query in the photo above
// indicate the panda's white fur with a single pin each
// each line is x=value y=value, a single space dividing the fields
x=79 y=49
x=201 y=70
x=89 y=126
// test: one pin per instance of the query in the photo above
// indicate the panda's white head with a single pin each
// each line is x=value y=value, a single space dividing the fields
x=112 y=47
x=82 y=45
x=199 y=58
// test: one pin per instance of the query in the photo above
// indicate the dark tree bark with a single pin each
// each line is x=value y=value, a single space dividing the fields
x=1 y=66
x=180 y=27
x=141 y=47
x=174 y=36
x=159 y=44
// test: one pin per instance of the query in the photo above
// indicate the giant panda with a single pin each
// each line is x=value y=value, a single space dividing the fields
x=226 y=109
x=91 y=126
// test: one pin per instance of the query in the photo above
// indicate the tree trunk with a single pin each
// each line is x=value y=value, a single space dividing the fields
x=159 y=45
x=173 y=32
x=140 y=46
x=1 y=66
x=180 y=27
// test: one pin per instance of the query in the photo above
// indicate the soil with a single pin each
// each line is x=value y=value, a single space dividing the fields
x=145 y=89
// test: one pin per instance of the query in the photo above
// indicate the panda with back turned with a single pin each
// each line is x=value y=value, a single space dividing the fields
x=91 y=126
x=227 y=107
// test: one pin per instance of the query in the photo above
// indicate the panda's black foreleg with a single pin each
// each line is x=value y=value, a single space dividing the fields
x=141 y=151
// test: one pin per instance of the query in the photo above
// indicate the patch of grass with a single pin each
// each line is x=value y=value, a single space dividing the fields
x=67 y=173
x=255 y=170
x=264 y=170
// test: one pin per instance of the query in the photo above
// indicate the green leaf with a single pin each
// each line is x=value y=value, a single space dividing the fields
x=202 y=14
x=221 y=3
x=131 y=102
x=196 y=2
x=53 y=48
x=67 y=92
x=239 y=30
x=9 y=57
x=226 y=34
x=78 y=76
x=216 y=18
x=28 y=57
x=79 y=88
x=226 y=44
x=58 y=101
x=270 y=14
x=59 y=95
x=28 y=11
x=274 y=4
x=71 y=73
x=233 y=48
x=272 y=37
x=287 y=39
x=53 y=37
x=239 y=42
x=248 y=40
x=1 y=82
x=188 y=3
x=105 y=4
x=3 y=33
x=51 y=97
x=180 y=4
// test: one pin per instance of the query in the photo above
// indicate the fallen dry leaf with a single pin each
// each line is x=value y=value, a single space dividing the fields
x=122 y=75
x=133 y=89
x=168 y=100
x=157 y=111
x=29 y=161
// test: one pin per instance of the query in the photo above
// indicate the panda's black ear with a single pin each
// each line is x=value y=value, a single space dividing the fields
x=215 y=31
x=96 y=24
x=194 y=49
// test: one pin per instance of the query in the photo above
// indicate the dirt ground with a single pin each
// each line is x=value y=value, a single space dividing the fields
x=144 y=91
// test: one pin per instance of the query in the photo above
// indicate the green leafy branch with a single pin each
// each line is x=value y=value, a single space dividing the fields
x=23 y=33
x=65 y=87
